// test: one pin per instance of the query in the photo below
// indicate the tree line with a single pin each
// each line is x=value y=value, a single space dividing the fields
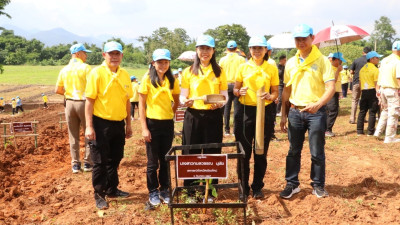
x=17 y=50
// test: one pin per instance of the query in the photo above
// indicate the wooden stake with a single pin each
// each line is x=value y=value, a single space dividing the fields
x=260 y=122
x=206 y=194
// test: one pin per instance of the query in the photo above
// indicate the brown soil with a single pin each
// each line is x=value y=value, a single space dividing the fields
x=37 y=186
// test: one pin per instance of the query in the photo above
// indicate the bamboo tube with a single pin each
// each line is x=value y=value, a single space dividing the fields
x=260 y=122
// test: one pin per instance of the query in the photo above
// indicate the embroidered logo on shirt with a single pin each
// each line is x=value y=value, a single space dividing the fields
x=314 y=67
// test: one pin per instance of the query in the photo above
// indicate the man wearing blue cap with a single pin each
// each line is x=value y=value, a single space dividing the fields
x=388 y=92
x=230 y=64
x=2 y=104
x=309 y=85
x=356 y=91
x=135 y=98
x=71 y=83
x=332 y=107
x=108 y=121
x=369 y=102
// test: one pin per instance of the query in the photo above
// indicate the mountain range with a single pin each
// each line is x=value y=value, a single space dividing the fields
x=61 y=36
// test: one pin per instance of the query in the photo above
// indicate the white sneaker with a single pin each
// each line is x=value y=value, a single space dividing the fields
x=389 y=140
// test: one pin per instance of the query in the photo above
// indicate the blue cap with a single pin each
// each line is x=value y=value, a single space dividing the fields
x=175 y=72
x=269 y=47
x=345 y=67
x=330 y=55
x=372 y=55
x=77 y=48
x=112 y=46
x=258 y=41
x=231 y=44
x=133 y=77
x=17 y=96
x=339 y=55
x=1 y=97
x=206 y=40
x=180 y=70
x=396 y=45
x=159 y=54
x=302 y=30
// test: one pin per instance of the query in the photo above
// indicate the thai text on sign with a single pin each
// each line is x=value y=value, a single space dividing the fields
x=202 y=166
x=20 y=127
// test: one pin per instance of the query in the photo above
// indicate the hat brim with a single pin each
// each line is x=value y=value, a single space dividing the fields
x=301 y=35
x=160 y=58
x=113 y=49
x=203 y=44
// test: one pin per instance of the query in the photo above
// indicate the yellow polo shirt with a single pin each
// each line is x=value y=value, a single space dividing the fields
x=368 y=76
x=203 y=84
x=14 y=104
x=111 y=92
x=338 y=84
x=389 y=72
x=254 y=77
x=2 y=103
x=73 y=78
x=159 y=99
x=135 y=89
x=230 y=63
x=345 y=76
x=310 y=86
x=45 y=99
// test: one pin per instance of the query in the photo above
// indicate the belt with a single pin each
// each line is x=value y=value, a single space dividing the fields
x=296 y=107
x=68 y=99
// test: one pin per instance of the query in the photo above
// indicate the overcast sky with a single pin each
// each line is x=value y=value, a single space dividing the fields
x=133 y=18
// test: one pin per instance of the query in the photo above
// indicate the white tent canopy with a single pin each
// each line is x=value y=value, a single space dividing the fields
x=284 y=40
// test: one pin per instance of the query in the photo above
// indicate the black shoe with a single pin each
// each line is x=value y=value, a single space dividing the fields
x=289 y=190
x=320 y=192
x=118 y=193
x=258 y=194
x=101 y=202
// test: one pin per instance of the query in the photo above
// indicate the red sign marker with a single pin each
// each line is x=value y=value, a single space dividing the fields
x=202 y=166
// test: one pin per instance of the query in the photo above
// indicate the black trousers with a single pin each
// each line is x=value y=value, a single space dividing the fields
x=345 y=88
x=133 y=104
x=106 y=151
x=228 y=106
x=162 y=134
x=368 y=101
x=202 y=127
x=332 y=108
x=245 y=129
x=19 y=107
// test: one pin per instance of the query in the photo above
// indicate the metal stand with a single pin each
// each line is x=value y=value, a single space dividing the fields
x=174 y=192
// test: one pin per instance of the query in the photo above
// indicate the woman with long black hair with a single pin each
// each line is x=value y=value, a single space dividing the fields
x=203 y=122
x=158 y=101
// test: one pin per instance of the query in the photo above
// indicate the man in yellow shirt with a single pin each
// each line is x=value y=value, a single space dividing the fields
x=108 y=121
x=135 y=98
x=45 y=100
x=388 y=87
x=230 y=64
x=345 y=77
x=309 y=85
x=71 y=83
x=13 y=106
x=332 y=107
x=368 y=79
x=2 y=104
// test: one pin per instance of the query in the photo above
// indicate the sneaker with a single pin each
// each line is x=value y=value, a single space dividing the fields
x=118 y=193
x=258 y=194
x=352 y=122
x=389 y=140
x=329 y=134
x=289 y=190
x=210 y=199
x=164 y=196
x=76 y=168
x=101 y=202
x=320 y=192
x=227 y=133
x=87 y=167
x=279 y=114
x=154 y=198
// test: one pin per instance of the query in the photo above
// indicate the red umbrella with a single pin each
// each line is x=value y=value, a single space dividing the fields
x=339 y=34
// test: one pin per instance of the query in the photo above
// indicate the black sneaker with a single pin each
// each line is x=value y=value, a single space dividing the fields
x=118 y=193
x=101 y=202
x=76 y=168
x=87 y=167
x=258 y=194
x=289 y=190
x=320 y=192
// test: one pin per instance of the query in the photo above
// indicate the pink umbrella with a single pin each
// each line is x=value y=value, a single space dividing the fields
x=339 y=34
x=188 y=56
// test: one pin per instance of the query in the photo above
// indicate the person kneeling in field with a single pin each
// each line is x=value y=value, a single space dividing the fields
x=253 y=75
x=108 y=122
x=158 y=100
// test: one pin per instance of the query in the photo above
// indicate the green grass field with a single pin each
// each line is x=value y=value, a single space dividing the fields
x=42 y=75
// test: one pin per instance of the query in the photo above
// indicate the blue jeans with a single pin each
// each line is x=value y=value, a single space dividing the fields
x=315 y=124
